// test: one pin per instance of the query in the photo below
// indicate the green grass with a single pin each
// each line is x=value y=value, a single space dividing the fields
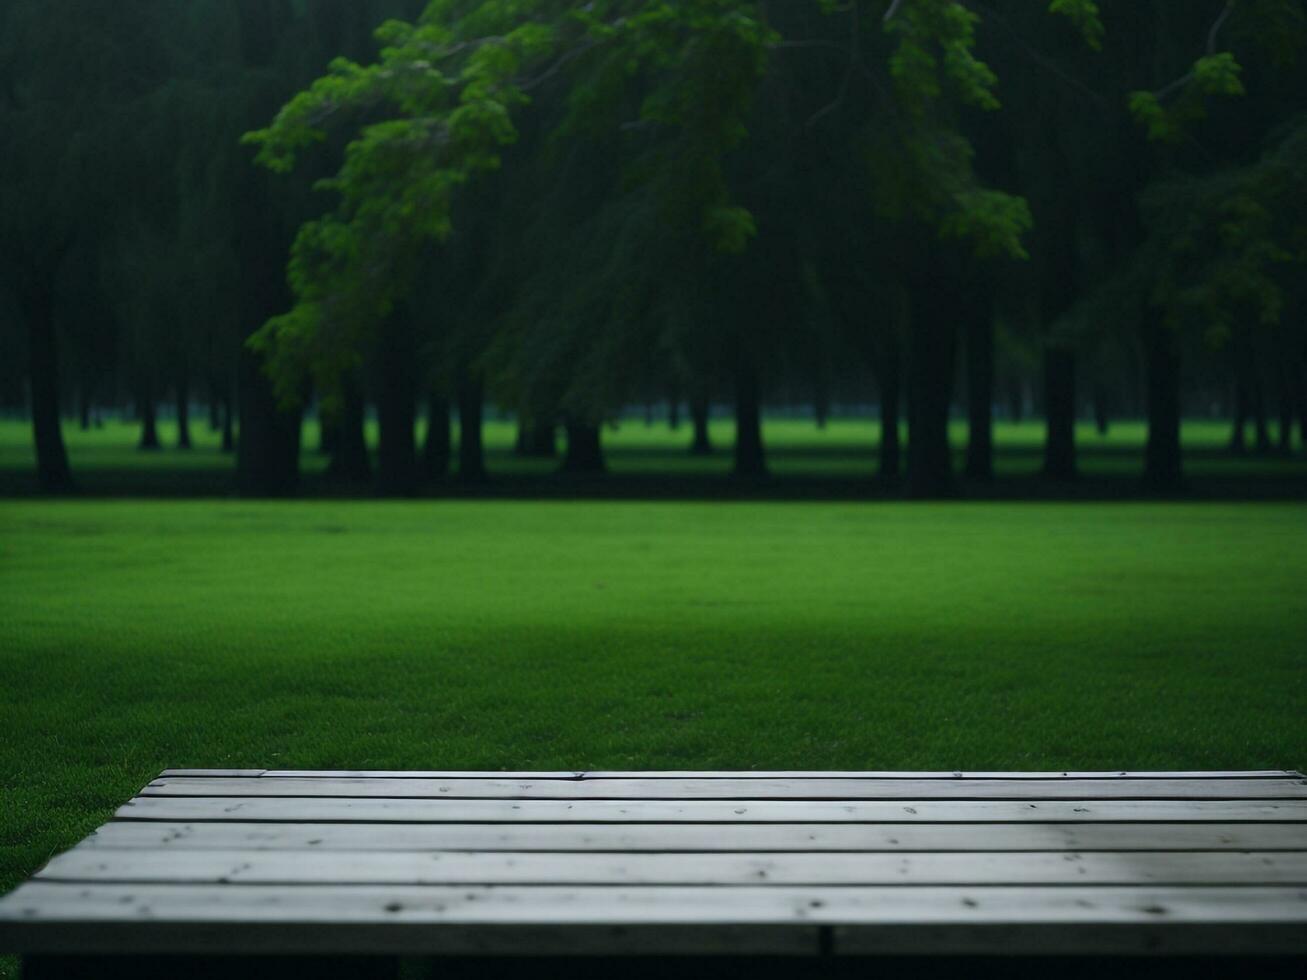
x=107 y=461
x=137 y=636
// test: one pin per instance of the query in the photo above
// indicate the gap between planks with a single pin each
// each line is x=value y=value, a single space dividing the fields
x=334 y=810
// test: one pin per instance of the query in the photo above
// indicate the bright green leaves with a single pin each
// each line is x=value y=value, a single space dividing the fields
x=927 y=170
x=445 y=96
x=729 y=229
x=1147 y=110
x=1212 y=75
x=1084 y=14
x=312 y=339
x=1218 y=74
x=301 y=122
x=935 y=46
x=915 y=70
x=992 y=221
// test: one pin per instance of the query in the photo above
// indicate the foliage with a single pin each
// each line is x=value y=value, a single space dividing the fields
x=446 y=96
x=1224 y=246
x=591 y=203
x=1086 y=17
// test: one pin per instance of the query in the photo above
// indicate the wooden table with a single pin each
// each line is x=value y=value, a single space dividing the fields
x=771 y=872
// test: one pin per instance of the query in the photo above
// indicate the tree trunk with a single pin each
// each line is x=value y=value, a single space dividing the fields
x=1242 y=410
x=821 y=404
x=1102 y=422
x=267 y=456
x=326 y=432
x=542 y=440
x=268 y=446
x=889 y=375
x=397 y=461
x=52 y=471
x=471 y=454
x=183 y=415
x=585 y=454
x=1302 y=403
x=1016 y=404
x=701 y=445
x=84 y=410
x=215 y=414
x=149 y=421
x=438 y=447
x=750 y=459
x=1163 y=464
x=348 y=439
x=674 y=413
x=1261 y=424
x=397 y=406
x=932 y=341
x=228 y=425
x=1288 y=399
x=1060 y=413
x=980 y=387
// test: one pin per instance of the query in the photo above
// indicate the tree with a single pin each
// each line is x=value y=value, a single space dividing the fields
x=64 y=66
x=689 y=142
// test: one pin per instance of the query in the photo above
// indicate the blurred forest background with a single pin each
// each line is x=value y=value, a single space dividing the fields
x=505 y=225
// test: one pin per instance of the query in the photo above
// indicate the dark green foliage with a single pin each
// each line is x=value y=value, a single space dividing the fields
x=577 y=207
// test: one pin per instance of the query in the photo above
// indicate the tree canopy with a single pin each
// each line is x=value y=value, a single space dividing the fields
x=576 y=206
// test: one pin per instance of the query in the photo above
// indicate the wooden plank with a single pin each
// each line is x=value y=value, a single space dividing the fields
x=741 y=789
x=705 y=811
x=475 y=868
x=957 y=774
x=736 y=774
x=369 y=919
x=696 y=837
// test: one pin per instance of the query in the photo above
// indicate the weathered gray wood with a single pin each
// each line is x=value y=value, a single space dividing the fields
x=730 y=774
x=704 y=811
x=265 y=861
x=251 y=918
x=695 y=837
x=474 y=868
x=739 y=789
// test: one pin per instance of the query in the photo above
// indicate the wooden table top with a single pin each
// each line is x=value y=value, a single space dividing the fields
x=748 y=863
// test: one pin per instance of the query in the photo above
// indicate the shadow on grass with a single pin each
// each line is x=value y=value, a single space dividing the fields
x=1285 y=482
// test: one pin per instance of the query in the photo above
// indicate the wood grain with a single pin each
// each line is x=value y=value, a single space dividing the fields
x=149 y=835
x=672 y=868
x=704 y=811
x=624 y=863
x=371 y=919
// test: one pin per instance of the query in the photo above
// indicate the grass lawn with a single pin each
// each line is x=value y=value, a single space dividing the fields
x=135 y=636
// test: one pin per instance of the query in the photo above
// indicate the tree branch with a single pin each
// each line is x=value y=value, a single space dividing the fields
x=1216 y=28
x=1040 y=59
x=1213 y=35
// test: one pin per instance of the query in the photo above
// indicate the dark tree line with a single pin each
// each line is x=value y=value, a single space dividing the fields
x=567 y=210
